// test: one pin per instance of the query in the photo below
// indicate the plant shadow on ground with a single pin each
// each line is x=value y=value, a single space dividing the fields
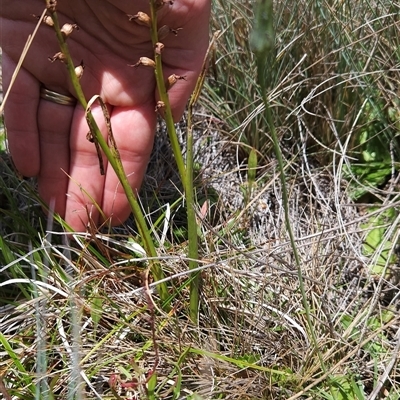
x=337 y=116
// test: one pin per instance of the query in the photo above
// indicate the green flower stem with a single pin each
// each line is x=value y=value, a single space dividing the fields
x=115 y=161
x=186 y=173
x=263 y=44
x=162 y=91
x=285 y=201
x=192 y=223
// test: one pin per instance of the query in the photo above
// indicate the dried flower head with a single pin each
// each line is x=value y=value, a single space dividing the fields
x=141 y=18
x=67 y=29
x=51 y=5
x=159 y=47
x=160 y=3
x=145 y=61
x=90 y=137
x=58 y=56
x=48 y=20
x=172 y=79
x=160 y=106
x=79 y=70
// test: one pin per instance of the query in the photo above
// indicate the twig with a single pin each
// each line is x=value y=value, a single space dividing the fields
x=3 y=390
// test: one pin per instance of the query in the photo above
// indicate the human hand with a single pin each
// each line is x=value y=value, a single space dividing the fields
x=48 y=140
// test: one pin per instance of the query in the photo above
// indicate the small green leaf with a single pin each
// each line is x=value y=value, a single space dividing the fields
x=151 y=386
x=125 y=372
x=346 y=388
x=375 y=236
x=96 y=309
x=252 y=167
x=195 y=396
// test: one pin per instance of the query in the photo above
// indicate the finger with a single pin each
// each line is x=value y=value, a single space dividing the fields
x=20 y=118
x=86 y=184
x=134 y=134
x=54 y=123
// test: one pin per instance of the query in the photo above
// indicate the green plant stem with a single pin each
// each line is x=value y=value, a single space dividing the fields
x=192 y=222
x=162 y=91
x=115 y=161
x=186 y=173
x=263 y=46
x=285 y=201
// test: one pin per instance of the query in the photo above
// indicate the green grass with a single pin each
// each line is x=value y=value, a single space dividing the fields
x=332 y=87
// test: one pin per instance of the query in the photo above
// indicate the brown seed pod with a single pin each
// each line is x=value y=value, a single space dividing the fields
x=145 y=61
x=67 y=29
x=51 y=5
x=172 y=79
x=160 y=3
x=158 y=48
x=48 y=20
x=58 y=56
x=141 y=18
x=90 y=137
x=159 y=106
x=79 y=70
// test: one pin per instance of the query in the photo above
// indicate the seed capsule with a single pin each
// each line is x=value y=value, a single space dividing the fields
x=79 y=70
x=159 y=47
x=160 y=3
x=51 y=5
x=48 y=20
x=159 y=106
x=141 y=18
x=145 y=61
x=172 y=79
x=58 y=56
x=90 y=137
x=67 y=29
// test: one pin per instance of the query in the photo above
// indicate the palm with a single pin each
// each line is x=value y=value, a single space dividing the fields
x=107 y=42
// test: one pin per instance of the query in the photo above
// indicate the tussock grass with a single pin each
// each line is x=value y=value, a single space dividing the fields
x=82 y=317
